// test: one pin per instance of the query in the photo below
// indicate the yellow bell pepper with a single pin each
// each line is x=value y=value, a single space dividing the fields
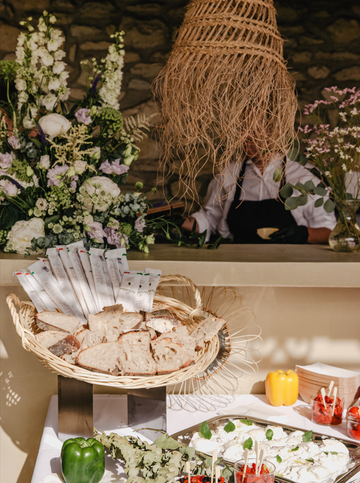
x=282 y=388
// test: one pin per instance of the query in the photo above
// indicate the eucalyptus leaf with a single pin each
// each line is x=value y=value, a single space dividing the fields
x=278 y=174
x=205 y=430
x=286 y=191
x=309 y=185
x=303 y=199
x=329 y=206
x=319 y=190
x=319 y=202
x=166 y=442
x=301 y=187
x=292 y=203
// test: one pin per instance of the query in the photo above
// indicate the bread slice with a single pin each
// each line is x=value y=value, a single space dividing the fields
x=103 y=357
x=206 y=330
x=131 y=320
x=111 y=313
x=136 y=359
x=57 y=321
x=163 y=324
x=158 y=313
x=169 y=355
x=58 y=342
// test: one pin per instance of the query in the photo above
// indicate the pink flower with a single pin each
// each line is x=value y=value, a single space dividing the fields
x=96 y=231
x=139 y=224
x=54 y=172
x=114 y=168
x=83 y=115
x=6 y=160
x=115 y=238
x=14 y=142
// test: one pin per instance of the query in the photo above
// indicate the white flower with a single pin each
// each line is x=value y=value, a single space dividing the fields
x=59 y=54
x=54 y=84
x=95 y=152
x=41 y=203
x=102 y=186
x=344 y=167
x=28 y=123
x=23 y=232
x=47 y=59
x=8 y=188
x=20 y=85
x=58 y=67
x=48 y=101
x=14 y=142
x=54 y=124
x=44 y=162
x=80 y=166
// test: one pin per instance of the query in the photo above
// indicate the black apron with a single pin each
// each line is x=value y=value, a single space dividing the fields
x=245 y=217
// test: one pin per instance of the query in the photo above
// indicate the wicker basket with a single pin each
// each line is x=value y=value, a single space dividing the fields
x=23 y=314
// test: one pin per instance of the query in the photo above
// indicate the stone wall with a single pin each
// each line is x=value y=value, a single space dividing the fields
x=322 y=49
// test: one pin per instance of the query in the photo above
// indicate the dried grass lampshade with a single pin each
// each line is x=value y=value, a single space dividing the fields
x=225 y=81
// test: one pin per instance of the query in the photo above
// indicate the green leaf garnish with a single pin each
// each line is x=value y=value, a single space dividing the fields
x=334 y=452
x=248 y=422
x=326 y=452
x=295 y=449
x=269 y=434
x=278 y=458
x=248 y=444
x=229 y=427
x=307 y=436
x=205 y=430
x=310 y=460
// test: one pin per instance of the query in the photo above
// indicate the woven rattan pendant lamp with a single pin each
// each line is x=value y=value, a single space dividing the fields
x=225 y=82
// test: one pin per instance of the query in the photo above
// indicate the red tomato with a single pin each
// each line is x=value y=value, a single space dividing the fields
x=355 y=411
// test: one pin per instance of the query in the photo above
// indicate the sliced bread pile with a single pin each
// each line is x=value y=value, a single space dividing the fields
x=125 y=343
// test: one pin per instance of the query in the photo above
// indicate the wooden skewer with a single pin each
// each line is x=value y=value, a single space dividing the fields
x=246 y=455
x=214 y=458
x=323 y=396
x=331 y=385
x=257 y=456
x=260 y=461
x=217 y=473
x=334 y=403
x=187 y=470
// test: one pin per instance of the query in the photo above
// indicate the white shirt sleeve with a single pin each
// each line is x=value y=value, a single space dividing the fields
x=219 y=196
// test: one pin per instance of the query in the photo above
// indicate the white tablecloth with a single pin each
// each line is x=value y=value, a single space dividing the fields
x=110 y=414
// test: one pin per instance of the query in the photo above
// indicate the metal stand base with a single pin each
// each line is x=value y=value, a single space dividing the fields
x=147 y=409
x=75 y=405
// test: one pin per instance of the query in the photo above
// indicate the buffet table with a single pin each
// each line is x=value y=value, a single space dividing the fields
x=305 y=299
x=110 y=416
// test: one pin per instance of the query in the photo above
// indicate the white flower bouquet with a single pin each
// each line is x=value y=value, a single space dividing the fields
x=61 y=163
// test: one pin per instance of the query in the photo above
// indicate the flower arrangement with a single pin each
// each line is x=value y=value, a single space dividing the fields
x=62 y=164
x=332 y=155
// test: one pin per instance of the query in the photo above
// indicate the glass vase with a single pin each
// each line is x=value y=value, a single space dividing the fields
x=345 y=237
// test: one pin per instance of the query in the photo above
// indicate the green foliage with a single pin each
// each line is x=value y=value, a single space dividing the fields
x=205 y=430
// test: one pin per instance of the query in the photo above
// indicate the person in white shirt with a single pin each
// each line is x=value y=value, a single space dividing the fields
x=246 y=198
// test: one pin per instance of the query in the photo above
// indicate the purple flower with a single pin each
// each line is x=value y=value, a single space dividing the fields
x=96 y=231
x=114 y=168
x=73 y=183
x=54 y=172
x=6 y=160
x=114 y=237
x=42 y=136
x=94 y=84
x=14 y=142
x=139 y=224
x=83 y=115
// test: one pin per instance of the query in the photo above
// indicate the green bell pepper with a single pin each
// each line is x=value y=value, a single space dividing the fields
x=82 y=460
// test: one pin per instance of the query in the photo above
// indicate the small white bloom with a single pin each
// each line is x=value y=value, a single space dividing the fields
x=47 y=60
x=344 y=167
x=95 y=152
x=101 y=183
x=59 y=54
x=44 y=162
x=48 y=101
x=29 y=123
x=42 y=204
x=80 y=166
x=23 y=232
x=20 y=84
x=54 y=84
x=58 y=67
x=54 y=124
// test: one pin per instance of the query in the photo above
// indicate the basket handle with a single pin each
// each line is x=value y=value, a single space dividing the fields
x=197 y=296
